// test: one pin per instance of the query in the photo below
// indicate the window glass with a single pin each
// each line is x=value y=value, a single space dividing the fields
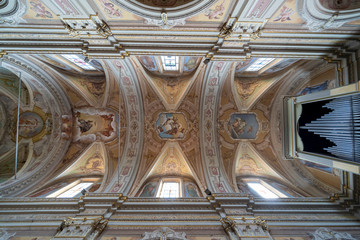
x=259 y=64
x=262 y=190
x=170 y=63
x=78 y=61
x=75 y=190
x=170 y=190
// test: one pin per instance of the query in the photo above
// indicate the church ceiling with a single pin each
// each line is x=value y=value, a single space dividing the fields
x=95 y=70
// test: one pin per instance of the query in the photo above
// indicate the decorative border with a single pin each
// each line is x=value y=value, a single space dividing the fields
x=60 y=106
x=131 y=157
x=214 y=173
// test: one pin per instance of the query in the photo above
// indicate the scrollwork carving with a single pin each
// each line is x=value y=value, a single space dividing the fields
x=164 y=23
x=164 y=233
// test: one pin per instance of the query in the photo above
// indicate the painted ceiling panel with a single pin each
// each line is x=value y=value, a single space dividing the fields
x=210 y=119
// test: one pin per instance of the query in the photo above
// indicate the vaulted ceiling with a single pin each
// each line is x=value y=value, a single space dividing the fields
x=118 y=115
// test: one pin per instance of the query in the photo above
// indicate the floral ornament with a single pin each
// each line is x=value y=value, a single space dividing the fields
x=284 y=14
x=40 y=9
x=217 y=12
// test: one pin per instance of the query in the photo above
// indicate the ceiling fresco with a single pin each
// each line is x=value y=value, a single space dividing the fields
x=120 y=114
x=287 y=14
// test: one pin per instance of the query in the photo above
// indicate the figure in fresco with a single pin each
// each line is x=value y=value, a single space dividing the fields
x=238 y=125
x=85 y=125
x=108 y=128
x=243 y=126
x=149 y=63
x=170 y=126
x=40 y=10
x=93 y=124
x=191 y=190
x=190 y=63
x=30 y=124
x=149 y=190
x=217 y=12
x=284 y=14
x=66 y=126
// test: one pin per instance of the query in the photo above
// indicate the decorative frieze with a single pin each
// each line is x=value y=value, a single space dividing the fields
x=245 y=228
x=81 y=228
x=164 y=233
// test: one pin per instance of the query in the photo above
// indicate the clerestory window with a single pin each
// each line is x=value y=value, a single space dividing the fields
x=259 y=64
x=170 y=190
x=265 y=190
x=71 y=190
x=170 y=63
x=78 y=61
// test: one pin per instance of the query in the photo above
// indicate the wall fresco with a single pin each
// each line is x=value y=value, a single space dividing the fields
x=190 y=63
x=149 y=63
x=149 y=189
x=191 y=190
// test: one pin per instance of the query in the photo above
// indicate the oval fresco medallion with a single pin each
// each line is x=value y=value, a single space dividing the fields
x=30 y=124
x=171 y=125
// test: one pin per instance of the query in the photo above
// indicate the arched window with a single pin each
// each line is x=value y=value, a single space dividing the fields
x=170 y=187
x=65 y=189
x=170 y=63
x=265 y=188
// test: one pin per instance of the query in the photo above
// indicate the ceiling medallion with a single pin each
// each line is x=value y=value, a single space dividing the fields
x=171 y=125
x=243 y=126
